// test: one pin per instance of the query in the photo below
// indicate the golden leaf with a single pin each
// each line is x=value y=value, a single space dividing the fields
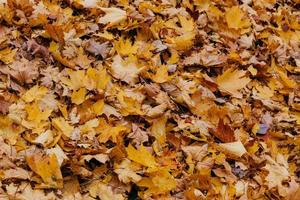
x=236 y=18
x=54 y=50
x=47 y=168
x=158 y=129
x=78 y=97
x=232 y=81
x=104 y=192
x=161 y=74
x=60 y=124
x=159 y=182
x=187 y=24
x=96 y=79
x=35 y=114
x=34 y=93
x=141 y=156
x=124 y=47
x=97 y=107
x=111 y=132
x=7 y=55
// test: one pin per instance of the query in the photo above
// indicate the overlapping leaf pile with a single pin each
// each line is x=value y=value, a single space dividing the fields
x=140 y=99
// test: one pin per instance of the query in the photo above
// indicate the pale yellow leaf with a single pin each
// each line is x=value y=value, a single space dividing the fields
x=112 y=16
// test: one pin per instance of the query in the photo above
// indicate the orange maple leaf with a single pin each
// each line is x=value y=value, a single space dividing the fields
x=224 y=132
x=55 y=32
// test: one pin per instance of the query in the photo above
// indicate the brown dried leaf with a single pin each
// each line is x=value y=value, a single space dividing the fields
x=22 y=71
x=4 y=105
x=224 y=132
x=36 y=48
x=97 y=48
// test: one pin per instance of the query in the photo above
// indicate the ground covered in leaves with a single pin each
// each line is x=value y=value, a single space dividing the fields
x=140 y=99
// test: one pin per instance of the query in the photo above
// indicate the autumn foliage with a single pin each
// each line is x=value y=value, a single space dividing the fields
x=141 y=99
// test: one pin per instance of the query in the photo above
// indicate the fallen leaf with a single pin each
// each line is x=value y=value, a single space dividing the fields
x=103 y=191
x=111 y=133
x=126 y=172
x=159 y=182
x=233 y=148
x=232 y=81
x=224 y=132
x=124 y=47
x=236 y=18
x=22 y=70
x=78 y=96
x=7 y=55
x=141 y=156
x=98 y=48
x=47 y=167
x=126 y=71
x=158 y=129
x=56 y=32
x=112 y=16
x=161 y=75
x=61 y=125
x=276 y=173
x=4 y=105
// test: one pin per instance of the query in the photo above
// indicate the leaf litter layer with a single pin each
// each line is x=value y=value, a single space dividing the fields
x=137 y=99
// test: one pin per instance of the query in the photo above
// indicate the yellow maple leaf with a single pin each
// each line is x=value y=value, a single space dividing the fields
x=124 y=47
x=215 y=11
x=141 y=156
x=47 y=167
x=82 y=60
x=105 y=35
x=103 y=191
x=54 y=50
x=236 y=18
x=187 y=24
x=284 y=79
x=161 y=74
x=112 y=16
x=97 y=107
x=203 y=4
x=7 y=55
x=35 y=114
x=89 y=126
x=96 y=79
x=232 y=81
x=60 y=124
x=77 y=79
x=34 y=93
x=288 y=82
x=184 y=41
x=264 y=91
x=129 y=105
x=78 y=97
x=158 y=129
x=111 y=133
x=159 y=182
